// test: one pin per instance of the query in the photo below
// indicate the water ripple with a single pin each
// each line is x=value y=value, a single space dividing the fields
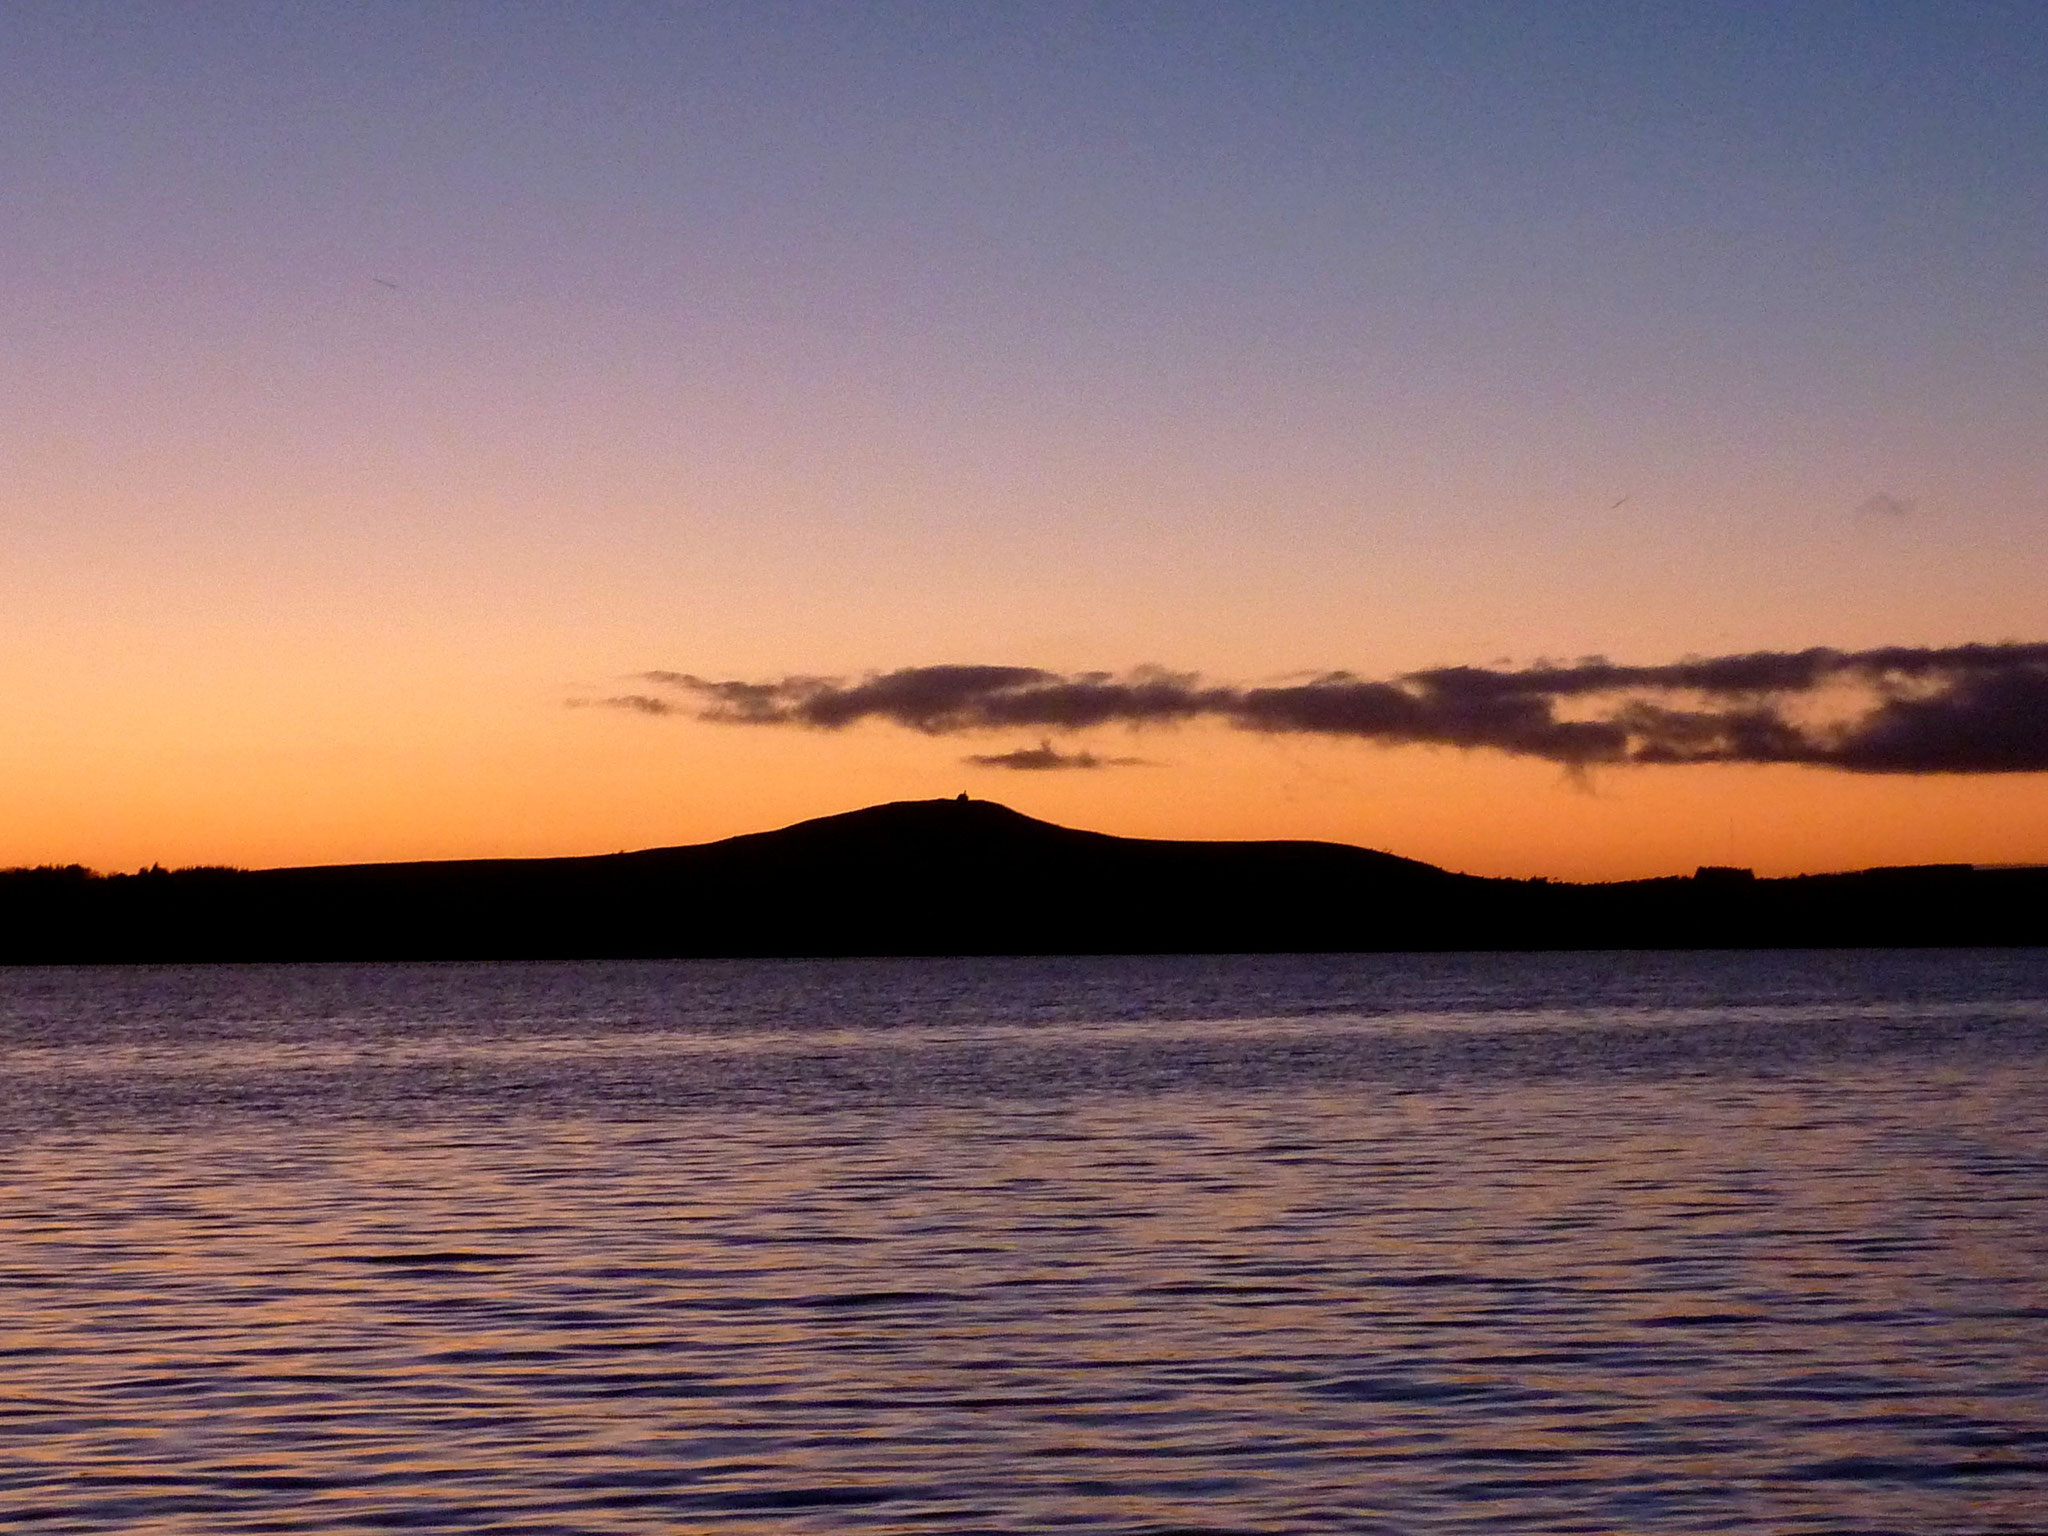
x=1371 y=1244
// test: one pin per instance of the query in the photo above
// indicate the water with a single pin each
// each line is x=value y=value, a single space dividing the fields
x=1583 y=1243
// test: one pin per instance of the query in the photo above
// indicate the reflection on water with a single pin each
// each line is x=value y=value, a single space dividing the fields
x=1566 y=1243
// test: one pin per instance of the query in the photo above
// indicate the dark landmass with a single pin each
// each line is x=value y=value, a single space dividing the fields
x=971 y=877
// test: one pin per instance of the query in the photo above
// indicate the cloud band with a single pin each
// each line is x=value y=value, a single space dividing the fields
x=1894 y=709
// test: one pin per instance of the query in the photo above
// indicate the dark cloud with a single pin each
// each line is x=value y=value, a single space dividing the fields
x=942 y=700
x=1885 y=504
x=1895 y=709
x=1993 y=721
x=1045 y=756
x=638 y=703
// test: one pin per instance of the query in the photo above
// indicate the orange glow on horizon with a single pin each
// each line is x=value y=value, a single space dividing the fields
x=524 y=776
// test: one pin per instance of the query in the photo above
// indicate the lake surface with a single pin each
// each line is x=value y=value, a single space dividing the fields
x=1588 y=1243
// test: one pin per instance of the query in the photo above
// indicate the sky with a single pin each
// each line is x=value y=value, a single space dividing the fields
x=472 y=430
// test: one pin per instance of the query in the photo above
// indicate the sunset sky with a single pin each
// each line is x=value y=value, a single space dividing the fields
x=413 y=415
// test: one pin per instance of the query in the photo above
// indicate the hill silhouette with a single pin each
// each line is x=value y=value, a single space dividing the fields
x=967 y=877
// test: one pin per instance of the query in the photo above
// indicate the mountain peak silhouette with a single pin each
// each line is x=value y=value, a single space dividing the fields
x=964 y=876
